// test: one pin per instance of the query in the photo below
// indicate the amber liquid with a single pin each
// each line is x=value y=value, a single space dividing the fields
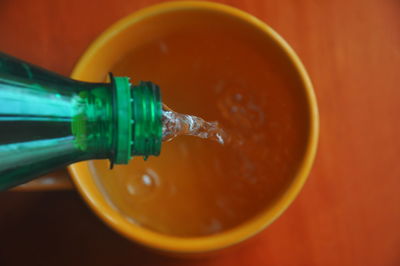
x=199 y=187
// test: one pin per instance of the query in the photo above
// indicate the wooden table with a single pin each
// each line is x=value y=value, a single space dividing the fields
x=349 y=210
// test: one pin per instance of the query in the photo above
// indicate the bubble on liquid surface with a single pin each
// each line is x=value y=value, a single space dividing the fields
x=241 y=111
x=213 y=226
x=145 y=184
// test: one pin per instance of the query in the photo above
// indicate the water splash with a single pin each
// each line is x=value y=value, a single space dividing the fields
x=176 y=124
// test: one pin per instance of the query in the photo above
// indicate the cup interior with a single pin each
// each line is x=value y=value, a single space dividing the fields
x=205 y=57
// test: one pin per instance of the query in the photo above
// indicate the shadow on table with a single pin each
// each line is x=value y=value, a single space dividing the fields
x=56 y=228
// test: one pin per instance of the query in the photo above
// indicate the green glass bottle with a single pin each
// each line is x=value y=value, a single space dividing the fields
x=49 y=121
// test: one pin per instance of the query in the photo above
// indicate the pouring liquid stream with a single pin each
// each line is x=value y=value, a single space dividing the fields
x=177 y=124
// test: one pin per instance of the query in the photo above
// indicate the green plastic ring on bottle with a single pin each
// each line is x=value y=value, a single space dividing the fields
x=123 y=117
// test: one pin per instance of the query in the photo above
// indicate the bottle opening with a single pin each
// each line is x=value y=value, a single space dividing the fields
x=146 y=119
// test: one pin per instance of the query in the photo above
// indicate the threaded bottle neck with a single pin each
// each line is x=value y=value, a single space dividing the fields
x=138 y=126
x=146 y=119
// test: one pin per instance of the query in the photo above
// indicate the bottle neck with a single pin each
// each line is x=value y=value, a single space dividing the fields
x=147 y=119
x=92 y=120
x=137 y=120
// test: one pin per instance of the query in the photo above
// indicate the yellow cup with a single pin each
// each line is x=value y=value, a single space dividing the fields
x=142 y=27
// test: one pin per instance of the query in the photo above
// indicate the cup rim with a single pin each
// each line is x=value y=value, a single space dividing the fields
x=237 y=234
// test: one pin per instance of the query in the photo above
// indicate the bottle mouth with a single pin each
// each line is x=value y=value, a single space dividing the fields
x=146 y=119
x=138 y=111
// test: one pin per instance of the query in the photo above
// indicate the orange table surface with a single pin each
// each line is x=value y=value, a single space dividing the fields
x=349 y=210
